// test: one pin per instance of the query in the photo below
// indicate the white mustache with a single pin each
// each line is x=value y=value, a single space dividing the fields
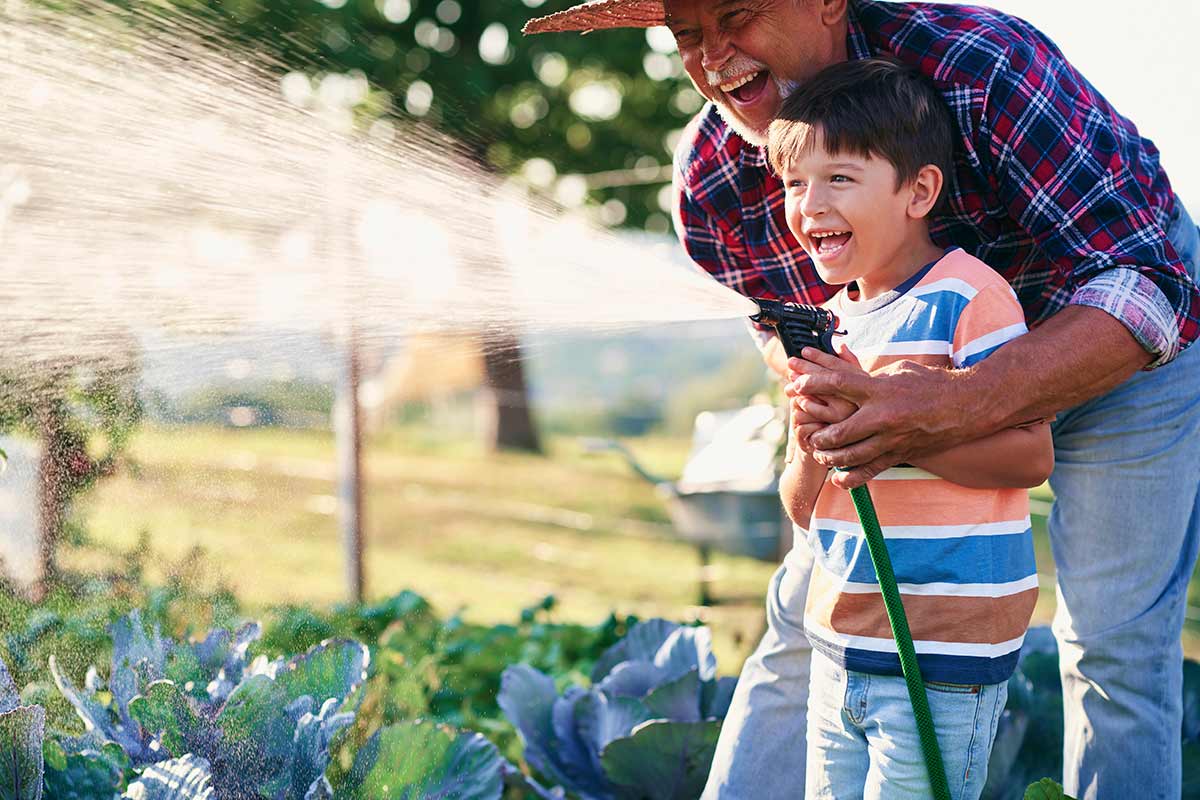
x=739 y=66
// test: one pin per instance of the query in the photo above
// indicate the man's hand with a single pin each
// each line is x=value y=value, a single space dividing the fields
x=907 y=410
x=900 y=412
x=811 y=413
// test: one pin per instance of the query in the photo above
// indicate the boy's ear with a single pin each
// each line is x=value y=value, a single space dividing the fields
x=926 y=187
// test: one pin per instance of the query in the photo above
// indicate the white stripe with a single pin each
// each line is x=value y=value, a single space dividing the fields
x=954 y=285
x=1005 y=528
x=905 y=474
x=878 y=645
x=934 y=347
x=937 y=347
x=989 y=340
x=992 y=590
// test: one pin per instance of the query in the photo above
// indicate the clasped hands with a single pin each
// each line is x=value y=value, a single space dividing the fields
x=845 y=417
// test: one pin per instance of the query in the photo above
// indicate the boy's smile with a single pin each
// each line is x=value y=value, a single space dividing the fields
x=853 y=219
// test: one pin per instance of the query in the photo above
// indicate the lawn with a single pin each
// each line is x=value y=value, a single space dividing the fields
x=487 y=534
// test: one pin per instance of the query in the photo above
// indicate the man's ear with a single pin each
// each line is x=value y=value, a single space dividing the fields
x=926 y=187
x=832 y=11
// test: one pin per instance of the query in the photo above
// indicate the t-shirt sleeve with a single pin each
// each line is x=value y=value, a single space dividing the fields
x=991 y=319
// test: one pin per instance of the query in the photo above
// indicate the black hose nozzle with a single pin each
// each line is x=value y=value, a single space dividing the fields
x=798 y=326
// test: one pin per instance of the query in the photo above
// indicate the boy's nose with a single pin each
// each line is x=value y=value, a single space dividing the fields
x=813 y=203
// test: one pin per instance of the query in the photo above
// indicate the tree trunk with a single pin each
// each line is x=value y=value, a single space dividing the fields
x=509 y=425
x=52 y=482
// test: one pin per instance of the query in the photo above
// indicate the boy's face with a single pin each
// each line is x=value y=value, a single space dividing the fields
x=847 y=214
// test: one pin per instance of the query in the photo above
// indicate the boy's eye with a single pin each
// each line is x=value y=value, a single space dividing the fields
x=840 y=179
x=795 y=184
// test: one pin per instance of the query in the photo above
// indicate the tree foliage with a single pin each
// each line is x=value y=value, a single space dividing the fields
x=552 y=108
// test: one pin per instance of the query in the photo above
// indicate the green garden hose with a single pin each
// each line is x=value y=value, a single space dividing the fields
x=861 y=496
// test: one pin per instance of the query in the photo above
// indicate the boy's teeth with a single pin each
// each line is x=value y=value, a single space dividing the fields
x=831 y=241
x=742 y=81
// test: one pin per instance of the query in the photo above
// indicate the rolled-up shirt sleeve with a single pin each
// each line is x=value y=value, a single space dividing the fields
x=1141 y=307
x=1064 y=176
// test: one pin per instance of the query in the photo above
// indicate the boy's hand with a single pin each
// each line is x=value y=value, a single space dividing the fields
x=811 y=413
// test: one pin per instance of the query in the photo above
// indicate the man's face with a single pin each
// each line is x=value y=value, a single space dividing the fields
x=748 y=55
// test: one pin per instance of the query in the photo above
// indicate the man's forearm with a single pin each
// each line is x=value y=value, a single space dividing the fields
x=1079 y=353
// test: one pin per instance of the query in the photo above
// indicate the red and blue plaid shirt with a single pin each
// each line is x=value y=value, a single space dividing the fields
x=1051 y=187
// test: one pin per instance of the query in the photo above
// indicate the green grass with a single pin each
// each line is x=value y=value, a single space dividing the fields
x=485 y=534
x=488 y=534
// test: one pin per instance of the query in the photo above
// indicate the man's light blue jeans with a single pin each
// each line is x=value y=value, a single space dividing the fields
x=1124 y=531
x=862 y=743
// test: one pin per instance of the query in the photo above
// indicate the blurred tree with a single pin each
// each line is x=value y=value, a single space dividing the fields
x=585 y=120
x=82 y=413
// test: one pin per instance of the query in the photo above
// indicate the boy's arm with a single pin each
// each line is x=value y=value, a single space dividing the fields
x=799 y=486
x=1014 y=458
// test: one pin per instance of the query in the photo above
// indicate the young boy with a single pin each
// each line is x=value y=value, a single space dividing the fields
x=863 y=149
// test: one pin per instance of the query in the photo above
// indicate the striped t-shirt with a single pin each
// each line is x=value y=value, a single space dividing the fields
x=963 y=557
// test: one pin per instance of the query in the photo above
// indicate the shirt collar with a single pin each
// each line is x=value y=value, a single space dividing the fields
x=856 y=39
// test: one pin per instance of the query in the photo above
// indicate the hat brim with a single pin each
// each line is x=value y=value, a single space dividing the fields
x=601 y=15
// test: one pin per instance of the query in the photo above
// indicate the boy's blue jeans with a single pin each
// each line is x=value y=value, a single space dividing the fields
x=862 y=742
x=1124 y=531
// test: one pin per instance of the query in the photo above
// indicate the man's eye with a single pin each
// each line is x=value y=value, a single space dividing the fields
x=687 y=38
x=736 y=19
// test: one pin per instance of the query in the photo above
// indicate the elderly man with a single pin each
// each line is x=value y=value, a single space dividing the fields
x=1059 y=193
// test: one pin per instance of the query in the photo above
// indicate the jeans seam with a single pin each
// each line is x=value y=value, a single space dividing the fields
x=966 y=773
x=954 y=688
x=1164 y=695
x=858 y=714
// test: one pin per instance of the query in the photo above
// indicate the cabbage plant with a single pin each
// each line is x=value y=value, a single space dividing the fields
x=22 y=729
x=195 y=721
x=645 y=728
x=255 y=730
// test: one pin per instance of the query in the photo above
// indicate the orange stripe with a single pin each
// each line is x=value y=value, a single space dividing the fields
x=927 y=502
x=997 y=310
x=969 y=620
x=966 y=267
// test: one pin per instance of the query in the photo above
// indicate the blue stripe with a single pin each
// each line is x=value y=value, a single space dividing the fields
x=934 y=666
x=962 y=559
x=975 y=358
x=929 y=317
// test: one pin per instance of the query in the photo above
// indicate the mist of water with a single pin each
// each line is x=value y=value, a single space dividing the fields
x=158 y=183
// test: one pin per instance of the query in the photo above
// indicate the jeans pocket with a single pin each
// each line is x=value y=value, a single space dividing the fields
x=953 y=688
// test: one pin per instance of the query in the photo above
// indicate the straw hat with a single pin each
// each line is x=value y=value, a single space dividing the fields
x=600 y=14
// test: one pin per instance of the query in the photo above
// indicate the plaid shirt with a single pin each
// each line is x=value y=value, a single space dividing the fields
x=1051 y=187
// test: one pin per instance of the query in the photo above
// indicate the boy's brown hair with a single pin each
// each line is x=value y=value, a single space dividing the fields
x=875 y=107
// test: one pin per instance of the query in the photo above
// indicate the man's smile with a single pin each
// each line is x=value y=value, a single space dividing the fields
x=748 y=88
